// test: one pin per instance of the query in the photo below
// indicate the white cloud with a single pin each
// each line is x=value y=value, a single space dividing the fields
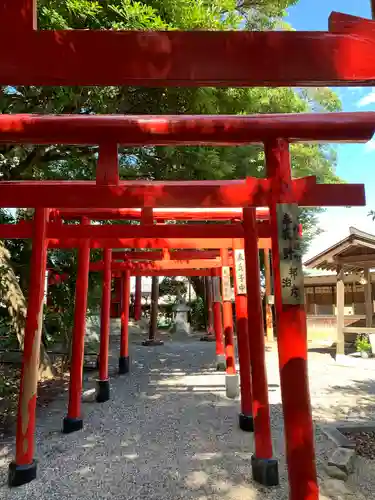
x=367 y=99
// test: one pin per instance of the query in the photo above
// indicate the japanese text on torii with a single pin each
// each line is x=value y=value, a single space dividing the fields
x=289 y=238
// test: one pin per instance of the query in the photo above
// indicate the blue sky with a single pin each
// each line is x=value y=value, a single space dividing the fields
x=356 y=162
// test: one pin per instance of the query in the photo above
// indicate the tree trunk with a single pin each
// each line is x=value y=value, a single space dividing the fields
x=14 y=299
x=198 y=285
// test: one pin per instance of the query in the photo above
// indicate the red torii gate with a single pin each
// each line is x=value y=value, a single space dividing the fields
x=108 y=191
x=209 y=58
x=178 y=58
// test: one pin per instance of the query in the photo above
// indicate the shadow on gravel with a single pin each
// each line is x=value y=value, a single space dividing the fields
x=168 y=432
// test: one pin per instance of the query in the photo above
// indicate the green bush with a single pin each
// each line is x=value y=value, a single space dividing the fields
x=362 y=343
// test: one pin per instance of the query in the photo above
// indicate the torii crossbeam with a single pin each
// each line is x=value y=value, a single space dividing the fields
x=177 y=58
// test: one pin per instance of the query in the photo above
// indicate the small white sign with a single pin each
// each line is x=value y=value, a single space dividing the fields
x=239 y=264
x=226 y=286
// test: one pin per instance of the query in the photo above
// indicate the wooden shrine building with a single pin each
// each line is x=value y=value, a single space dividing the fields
x=340 y=301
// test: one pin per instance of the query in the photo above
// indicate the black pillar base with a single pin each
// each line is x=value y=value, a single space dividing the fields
x=246 y=422
x=123 y=365
x=72 y=425
x=221 y=363
x=21 y=474
x=102 y=391
x=208 y=338
x=265 y=471
x=152 y=342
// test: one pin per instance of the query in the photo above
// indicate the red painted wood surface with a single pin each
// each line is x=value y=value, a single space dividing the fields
x=124 y=341
x=344 y=23
x=170 y=272
x=237 y=193
x=217 y=312
x=25 y=434
x=142 y=130
x=66 y=231
x=158 y=255
x=209 y=305
x=243 y=343
x=177 y=58
x=292 y=348
x=261 y=410
x=57 y=231
x=158 y=265
x=158 y=214
x=228 y=321
x=107 y=170
x=79 y=330
x=18 y=16
x=105 y=316
x=121 y=243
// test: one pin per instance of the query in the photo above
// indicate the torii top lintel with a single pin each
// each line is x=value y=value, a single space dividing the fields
x=178 y=58
x=164 y=130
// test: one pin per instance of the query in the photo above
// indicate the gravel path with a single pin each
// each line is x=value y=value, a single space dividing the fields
x=168 y=432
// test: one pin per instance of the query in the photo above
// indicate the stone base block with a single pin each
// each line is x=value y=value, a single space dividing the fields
x=221 y=364
x=232 y=385
x=21 y=474
x=343 y=458
x=72 y=425
x=265 y=471
x=123 y=365
x=153 y=342
x=246 y=422
x=102 y=391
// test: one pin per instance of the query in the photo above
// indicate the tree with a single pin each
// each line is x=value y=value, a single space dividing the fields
x=56 y=162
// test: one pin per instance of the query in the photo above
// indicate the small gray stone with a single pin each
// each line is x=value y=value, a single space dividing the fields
x=343 y=458
x=336 y=473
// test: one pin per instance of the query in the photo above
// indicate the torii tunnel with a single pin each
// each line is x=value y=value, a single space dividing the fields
x=108 y=196
x=344 y=55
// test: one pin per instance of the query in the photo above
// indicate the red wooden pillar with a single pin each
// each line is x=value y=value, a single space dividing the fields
x=102 y=394
x=292 y=346
x=232 y=384
x=138 y=298
x=265 y=469
x=239 y=279
x=123 y=366
x=73 y=421
x=218 y=320
x=23 y=469
x=227 y=313
x=209 y=301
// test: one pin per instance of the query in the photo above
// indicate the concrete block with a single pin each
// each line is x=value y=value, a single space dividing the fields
x=232 y=385
x=343 y=458
x=333 y=433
